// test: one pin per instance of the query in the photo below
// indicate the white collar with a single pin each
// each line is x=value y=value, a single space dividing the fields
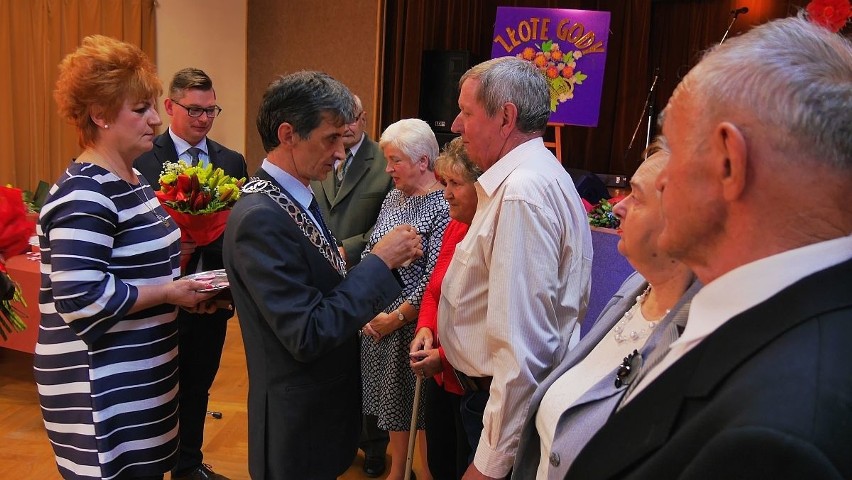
x=748 y=285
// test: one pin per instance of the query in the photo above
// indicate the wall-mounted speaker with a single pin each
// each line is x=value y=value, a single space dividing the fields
x=440 y=72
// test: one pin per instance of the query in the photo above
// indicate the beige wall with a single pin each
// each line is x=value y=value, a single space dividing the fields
x=210 y=35
x=342 y=38
x=248 y=43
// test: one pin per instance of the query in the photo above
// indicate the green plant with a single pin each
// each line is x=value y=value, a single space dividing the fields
x=602 y=216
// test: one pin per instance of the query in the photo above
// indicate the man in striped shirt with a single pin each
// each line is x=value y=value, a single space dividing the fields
x=519 y=280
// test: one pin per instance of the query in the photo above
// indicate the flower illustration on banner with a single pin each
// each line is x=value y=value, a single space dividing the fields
x=832 y=14
x=558 y=67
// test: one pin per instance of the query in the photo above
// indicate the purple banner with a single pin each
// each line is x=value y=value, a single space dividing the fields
x=568 y=47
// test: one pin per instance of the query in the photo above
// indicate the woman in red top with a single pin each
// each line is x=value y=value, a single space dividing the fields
x=447 y=444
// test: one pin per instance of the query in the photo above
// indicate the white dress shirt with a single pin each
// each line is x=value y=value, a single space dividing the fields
x=353 y=151
x=743 y=288
x=515 y=288
x=182 y=147
x=298 y=191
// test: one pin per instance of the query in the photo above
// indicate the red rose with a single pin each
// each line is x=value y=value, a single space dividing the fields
x=15 y=229
x=832 y=14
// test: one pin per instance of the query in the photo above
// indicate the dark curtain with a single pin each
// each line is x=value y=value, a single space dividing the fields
x=647 y=39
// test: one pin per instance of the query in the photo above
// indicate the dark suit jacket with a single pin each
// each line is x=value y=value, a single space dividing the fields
x=300 y=322
x=767 y=395
x=150 y=164
x=352 y=214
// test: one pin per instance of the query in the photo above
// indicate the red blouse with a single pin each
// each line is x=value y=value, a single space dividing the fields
x=428 y=316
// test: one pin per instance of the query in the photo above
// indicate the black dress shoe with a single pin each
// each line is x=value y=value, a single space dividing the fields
x=374 y=466
x=203 y=472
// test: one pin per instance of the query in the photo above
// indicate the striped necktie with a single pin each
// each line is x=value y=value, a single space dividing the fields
x=340 y=171
x=194 y=155
x=315 y=211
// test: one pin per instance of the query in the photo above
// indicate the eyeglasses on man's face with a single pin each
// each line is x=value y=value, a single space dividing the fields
x=195 y=112
x=357 y=118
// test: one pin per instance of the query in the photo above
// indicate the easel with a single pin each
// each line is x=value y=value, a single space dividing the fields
x=556 y=144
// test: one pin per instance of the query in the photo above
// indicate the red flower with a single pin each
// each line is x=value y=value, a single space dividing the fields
x=15 y=229
x=832 y=14
x=198 y=199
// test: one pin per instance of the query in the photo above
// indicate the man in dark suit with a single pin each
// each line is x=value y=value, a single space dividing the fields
x=191 y=106
x=300 y=310
x=756 y=202
x=352 y=204
x=350 y=198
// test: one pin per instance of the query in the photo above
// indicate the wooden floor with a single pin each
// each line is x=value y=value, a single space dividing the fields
x=25 y=451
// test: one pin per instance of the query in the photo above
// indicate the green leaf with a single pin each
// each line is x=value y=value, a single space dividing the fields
x=546 y=46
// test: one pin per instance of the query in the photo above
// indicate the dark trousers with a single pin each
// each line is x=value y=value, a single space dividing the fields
x=374 y=441
x=446 y=439
x=201 y=338
x=472 y=409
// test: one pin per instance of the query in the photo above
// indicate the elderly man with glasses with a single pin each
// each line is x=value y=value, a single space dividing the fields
x=191 y=106
x=350 y=199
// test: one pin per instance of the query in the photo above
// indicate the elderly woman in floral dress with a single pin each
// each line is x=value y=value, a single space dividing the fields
x=410 y=149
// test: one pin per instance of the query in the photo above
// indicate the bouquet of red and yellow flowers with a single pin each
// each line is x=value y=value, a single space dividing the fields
x=198 y=198
x=15 y=232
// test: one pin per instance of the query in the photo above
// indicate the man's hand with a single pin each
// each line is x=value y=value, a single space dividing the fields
x=399 y=247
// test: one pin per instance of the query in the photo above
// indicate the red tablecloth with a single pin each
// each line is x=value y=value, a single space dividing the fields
x=26 y=273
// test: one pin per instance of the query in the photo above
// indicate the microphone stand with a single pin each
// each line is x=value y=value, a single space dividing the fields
x=650 y=115
x=735 y=13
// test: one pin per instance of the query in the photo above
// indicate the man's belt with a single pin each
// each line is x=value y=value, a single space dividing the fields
x=473 y=384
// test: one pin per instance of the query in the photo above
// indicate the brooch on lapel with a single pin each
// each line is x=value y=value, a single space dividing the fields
x=628 y=370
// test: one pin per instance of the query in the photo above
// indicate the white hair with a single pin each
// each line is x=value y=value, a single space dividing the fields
x=414 y=138
x=793 y=77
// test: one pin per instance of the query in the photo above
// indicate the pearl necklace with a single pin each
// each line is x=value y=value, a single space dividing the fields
x=634 y=335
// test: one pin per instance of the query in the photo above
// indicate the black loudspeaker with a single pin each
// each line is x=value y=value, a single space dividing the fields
x=440 y=72
x=444 y=138
x=589 y=185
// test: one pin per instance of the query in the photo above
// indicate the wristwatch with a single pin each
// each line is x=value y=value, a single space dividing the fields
x=401 y=317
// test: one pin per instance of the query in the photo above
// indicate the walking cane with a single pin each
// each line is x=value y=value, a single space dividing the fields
x=412 y=432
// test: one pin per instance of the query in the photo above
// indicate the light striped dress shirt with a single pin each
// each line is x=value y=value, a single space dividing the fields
x=515 y=288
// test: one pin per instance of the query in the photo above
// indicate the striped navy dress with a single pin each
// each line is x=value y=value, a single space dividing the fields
x=107 y=380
